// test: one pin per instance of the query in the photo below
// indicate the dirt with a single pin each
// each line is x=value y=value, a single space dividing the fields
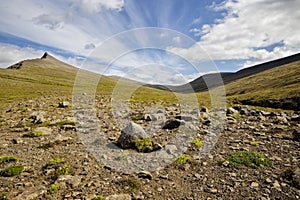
x=81 y=176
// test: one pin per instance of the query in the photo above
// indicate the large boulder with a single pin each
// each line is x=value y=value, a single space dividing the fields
x=129 y=134
x=172 y=124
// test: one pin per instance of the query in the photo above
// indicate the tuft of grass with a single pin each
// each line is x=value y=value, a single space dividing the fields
x=183 y=159
x=197 y=142
x=137 y=117
x=33 y=134
x=64 y=170
x=4 y=159
x=143 y=145
x=53 y=188
x=65 y=122
x=130 y=184
x=12 y=171
x=99 y=198
x=249 y=159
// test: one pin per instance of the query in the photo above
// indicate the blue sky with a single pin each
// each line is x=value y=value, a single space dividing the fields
x=196 y=36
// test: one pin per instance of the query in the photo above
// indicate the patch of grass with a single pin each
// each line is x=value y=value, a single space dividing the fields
x=197 y=142
x=249 y=159
x=65 y=122
x=55 y=161
x=99 y=198
x=183 y=159
x=12 y=171
x=64 y=170
x=143 y=145
x=130 y=184
x=53 y=188
x=4 y=159
x=33 y=134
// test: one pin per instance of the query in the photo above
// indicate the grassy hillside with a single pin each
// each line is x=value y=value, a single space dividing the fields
x=280 y=84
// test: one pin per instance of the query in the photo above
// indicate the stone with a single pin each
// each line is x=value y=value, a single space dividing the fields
x=73 y=181
x=37 y=117
x=63 y=104
x=296 y=135
x=43 y=130
x=172 y=124
x=186 y=118
x=254 y=184
x=171 y=149
x=231 y=111
x=119 y=197
x=32 y=193
x=145 y=175
x=155 y=117
x=129 y=134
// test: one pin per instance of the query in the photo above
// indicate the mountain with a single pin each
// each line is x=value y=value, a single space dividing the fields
x=199 y=84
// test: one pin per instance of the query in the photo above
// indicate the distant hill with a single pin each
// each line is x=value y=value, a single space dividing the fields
x=199 y=84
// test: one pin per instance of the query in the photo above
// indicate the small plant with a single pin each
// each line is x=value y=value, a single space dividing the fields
x=183 y=159
x=65 y=122
x=130 y=184
x=12 y=171
x=253 y=143
x=4 y=159
x=55 y=161
x=33 y=134
x=197 y=142
x=143 y=145
x=53 y=188
x=99 y=198
x=64 y=170
x=249 y=159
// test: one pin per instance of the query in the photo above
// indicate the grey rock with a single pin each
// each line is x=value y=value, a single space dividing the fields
x=73 y=181
x=119 y=197
x=37 y=117
x=171 y=149
x=32 y=193
x=155 y=117
x=186 y=118
x=63 y=104
x=172 y=124
x=231 y=111
x=44 y=130
x=129 y=134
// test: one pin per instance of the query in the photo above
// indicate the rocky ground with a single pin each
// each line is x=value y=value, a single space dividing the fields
x=42 y=136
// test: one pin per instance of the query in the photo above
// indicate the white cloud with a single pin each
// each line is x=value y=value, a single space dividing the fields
x=11 y=53
x=96 y=5
x=247 y=28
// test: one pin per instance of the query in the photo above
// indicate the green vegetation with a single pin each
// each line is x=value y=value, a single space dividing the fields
x=65 y=122
x=183 y=159
x=12 y=171
x=143 y=145
x=253 y=143
x=137 y=117
x=99 y=198
x=249 y=159
x=130 y=184
x=33 y=134
x=53 y=188
x=64 y=170
x=55 y=161
x=4 y=159
x=197 y=142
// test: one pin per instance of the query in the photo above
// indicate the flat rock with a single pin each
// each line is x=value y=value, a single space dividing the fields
x=119 y=197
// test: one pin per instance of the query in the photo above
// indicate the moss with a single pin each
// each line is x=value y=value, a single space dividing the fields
x=12 y=171
x=4 y=159
x=33 y=134
x=143 y=145
x=183 y=159
x=197 y=142
x=249 y=159
x=53 y=188
x=130 y=184
x=137 y=117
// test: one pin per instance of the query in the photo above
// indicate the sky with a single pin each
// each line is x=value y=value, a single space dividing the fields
x=157 y=41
